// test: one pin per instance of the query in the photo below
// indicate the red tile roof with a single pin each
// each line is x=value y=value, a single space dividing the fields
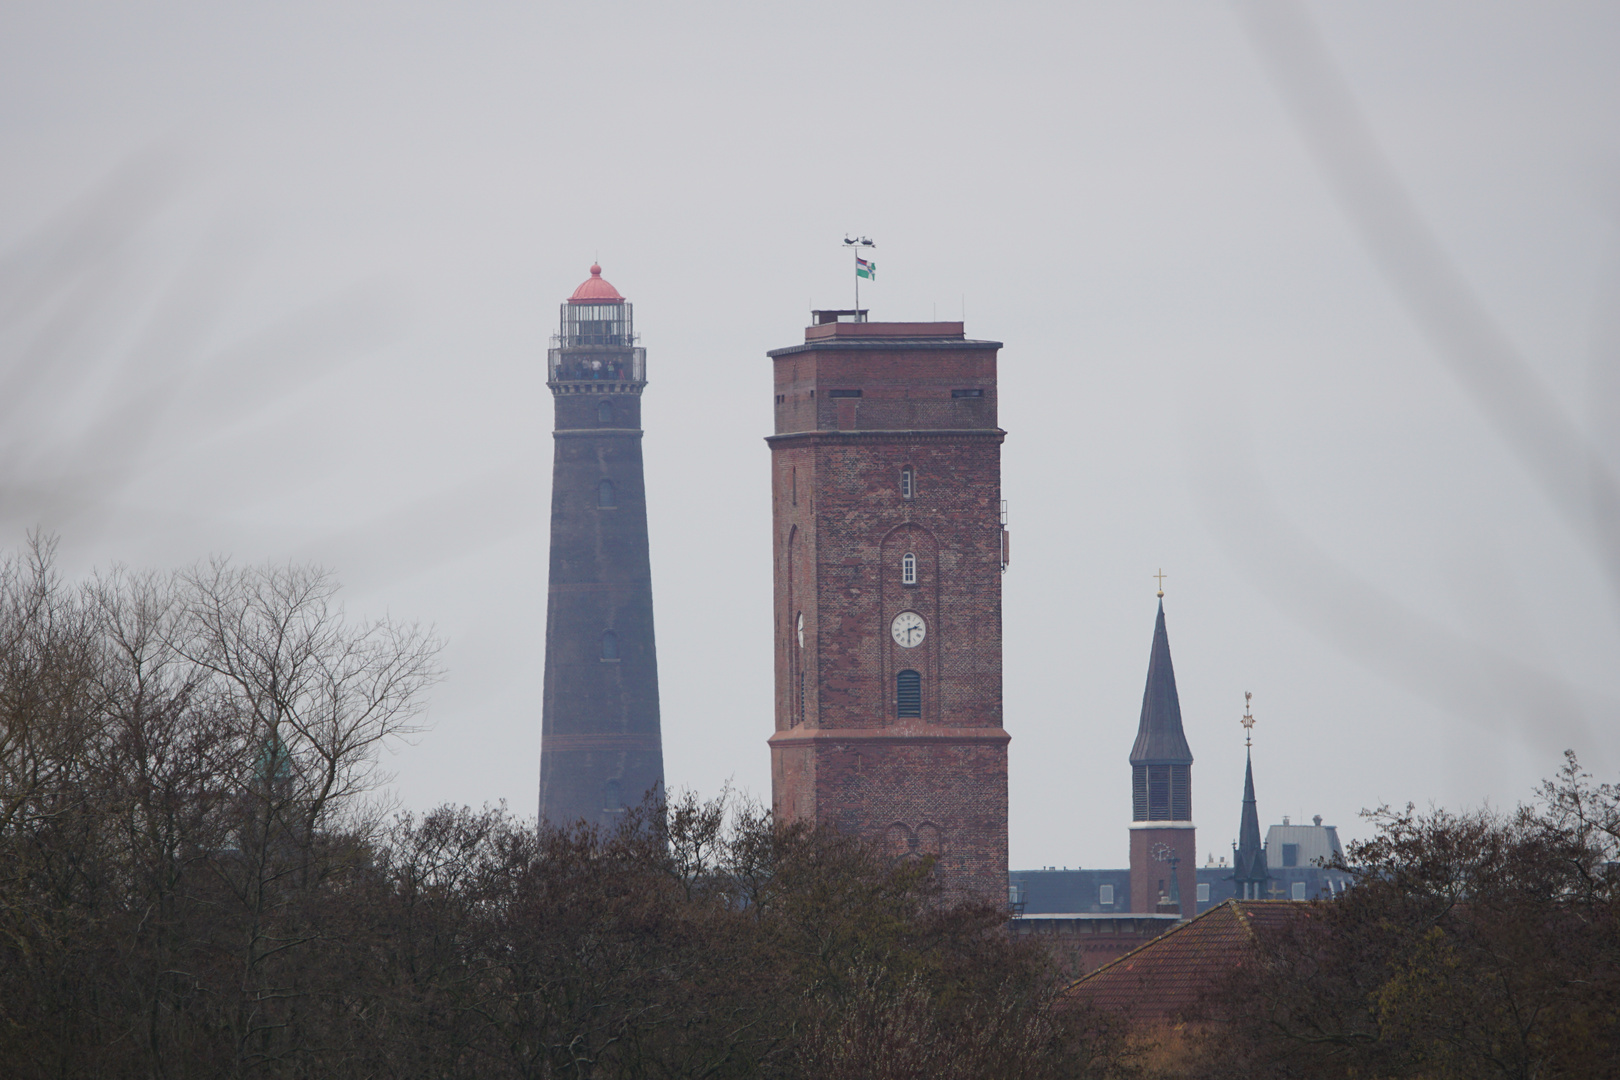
x=1166 y=976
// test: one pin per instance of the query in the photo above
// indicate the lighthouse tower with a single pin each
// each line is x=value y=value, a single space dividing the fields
x=600 y=748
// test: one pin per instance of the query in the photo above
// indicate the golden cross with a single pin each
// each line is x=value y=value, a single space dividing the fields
x=1248 y=719
x=1161 y=575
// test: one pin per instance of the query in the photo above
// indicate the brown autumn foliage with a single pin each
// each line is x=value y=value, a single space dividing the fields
x=1472 y=945
x=194 y=882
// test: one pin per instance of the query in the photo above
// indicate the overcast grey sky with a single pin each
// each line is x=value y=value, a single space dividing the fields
x=277 y=281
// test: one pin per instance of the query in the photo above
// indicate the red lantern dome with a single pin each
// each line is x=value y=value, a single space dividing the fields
x=596 y=290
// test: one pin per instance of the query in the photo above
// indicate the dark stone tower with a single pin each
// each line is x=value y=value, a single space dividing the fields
x=1163 y=843
x=600 y=748
x=886 y=499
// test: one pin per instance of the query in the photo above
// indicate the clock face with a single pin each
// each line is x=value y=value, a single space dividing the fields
x=908 y=629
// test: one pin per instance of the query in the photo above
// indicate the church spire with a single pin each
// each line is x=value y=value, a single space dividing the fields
x=1159 y=737
x=1164 y=845
x=1248 y=857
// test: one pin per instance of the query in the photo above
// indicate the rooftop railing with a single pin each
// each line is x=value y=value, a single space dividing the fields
x=596 y=364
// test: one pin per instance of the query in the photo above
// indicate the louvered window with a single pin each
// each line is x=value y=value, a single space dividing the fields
x=1161 y=793
x=1158 y=792
x=908 y=694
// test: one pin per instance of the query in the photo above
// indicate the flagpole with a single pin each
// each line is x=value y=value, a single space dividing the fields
x=856 y=246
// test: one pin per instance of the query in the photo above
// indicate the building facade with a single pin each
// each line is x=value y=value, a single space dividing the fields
x=600 y=746
x=889 y=550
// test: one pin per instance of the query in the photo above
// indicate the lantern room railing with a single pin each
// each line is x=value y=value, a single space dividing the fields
x=596 y=363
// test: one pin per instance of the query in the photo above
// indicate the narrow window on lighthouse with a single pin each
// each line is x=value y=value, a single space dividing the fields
x=610 y=645
x=604 y=495
x=604 y=413
x=908 y=569
x=908 y=694
x=906 y=483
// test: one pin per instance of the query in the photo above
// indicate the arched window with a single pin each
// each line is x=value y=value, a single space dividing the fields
x=908 y=694
x=908 y=569
x=604 y=413
x=610 y=645
x=604 y=495
x=908 y=482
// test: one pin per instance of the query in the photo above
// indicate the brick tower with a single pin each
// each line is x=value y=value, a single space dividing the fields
x=599 y=746
x=1162 y=835
x=889 y=549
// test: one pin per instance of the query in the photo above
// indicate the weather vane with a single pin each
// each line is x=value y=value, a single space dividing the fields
x=1161 y=575
x=864 y=268
x=1247 y=721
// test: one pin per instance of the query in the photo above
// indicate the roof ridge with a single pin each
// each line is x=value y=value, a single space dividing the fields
x=1176 y=929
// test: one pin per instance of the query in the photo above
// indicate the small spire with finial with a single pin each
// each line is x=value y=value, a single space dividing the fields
x=1247 y=721
x=1161 y=575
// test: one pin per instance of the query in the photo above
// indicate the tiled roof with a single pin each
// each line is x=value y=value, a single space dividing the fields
x=1167 y=975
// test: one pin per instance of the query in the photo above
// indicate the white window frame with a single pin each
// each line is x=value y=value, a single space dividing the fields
x=908 y=483
x=1105 y=895
x=1298 y=891
x=908 y=569
x=1203 y=892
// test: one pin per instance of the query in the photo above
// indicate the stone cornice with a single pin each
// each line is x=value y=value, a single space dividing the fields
x=591 y=433
x=932 y=735
x=918 y=344
x=1161 y=825
x=922 y=435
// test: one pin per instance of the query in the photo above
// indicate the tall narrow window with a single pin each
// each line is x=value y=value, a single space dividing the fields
x=908 y=694
x=612 y=798
x=907 y=483
x=610 y=645
x=604 y=495
x=795 y=486
x=604 y=413
x=908 y=569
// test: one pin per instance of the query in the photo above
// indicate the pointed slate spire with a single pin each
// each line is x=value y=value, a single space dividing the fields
x=1159 y=738
x=1249 y=858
